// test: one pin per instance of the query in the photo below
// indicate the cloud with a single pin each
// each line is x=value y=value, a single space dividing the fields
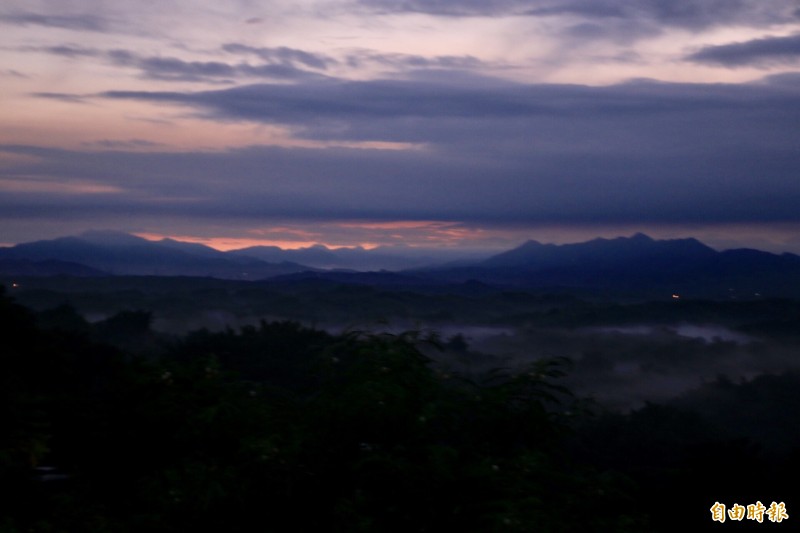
x=83 y=22
x=11 y=73
x=279 y=63
x=63 y=97
x=356 y=59
x=347 y=107
x=65 y=50
x=658 y=117
x=282 y=54
x=282 y=65
x=116 y=144
x=360 y=58
x=462 y=8
x=764 y=52
x=692 y=14
x=684 y=14
x=789 y=80
x=173 y=69
x=494 y=151
x=265 y=183
x=170 y=68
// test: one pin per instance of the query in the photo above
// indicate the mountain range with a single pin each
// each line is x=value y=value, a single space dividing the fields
x=115 y=253
x=118 y=253
x=633 y=263
x=637 y=263
x=358 y=258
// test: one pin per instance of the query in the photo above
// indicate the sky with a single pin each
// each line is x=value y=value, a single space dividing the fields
x=428 y=123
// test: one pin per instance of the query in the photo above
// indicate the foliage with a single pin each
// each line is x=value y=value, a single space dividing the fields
x=285 y=428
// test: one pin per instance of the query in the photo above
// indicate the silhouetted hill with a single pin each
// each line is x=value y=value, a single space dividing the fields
x=50 y=267
x=121 y=253
x=635 y=264
x=358 y=258
x=385 y=279
x=192 y=248
x=317 y=255
x=601 y=253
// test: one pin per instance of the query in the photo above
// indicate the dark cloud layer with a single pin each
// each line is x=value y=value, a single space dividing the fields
x=407 y=135
x=764 y=52
x=657 y=117
x=263 y=183
x=490 y=151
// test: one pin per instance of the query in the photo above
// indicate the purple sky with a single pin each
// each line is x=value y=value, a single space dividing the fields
x=477 y=124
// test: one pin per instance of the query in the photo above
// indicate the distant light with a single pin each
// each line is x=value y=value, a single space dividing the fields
x=676 y=296
x=15 y=285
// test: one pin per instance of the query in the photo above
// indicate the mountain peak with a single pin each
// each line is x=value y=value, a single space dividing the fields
x=637 y=238
x=110 y=237
x=599 y=251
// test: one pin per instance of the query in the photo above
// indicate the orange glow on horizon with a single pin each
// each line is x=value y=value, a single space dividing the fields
x=225 y=244
x=421 y=234
x=396 y=224
x=35 y=184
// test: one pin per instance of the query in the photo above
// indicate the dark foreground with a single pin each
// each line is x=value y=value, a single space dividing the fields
x=283 y=428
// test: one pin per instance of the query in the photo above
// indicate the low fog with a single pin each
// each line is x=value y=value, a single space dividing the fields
x=621 y=354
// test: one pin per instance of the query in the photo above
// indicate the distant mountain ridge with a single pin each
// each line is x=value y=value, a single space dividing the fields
x=49 y=267
x=124 y=254
x=636 y=263
x=601 y=252
x=357 y=258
